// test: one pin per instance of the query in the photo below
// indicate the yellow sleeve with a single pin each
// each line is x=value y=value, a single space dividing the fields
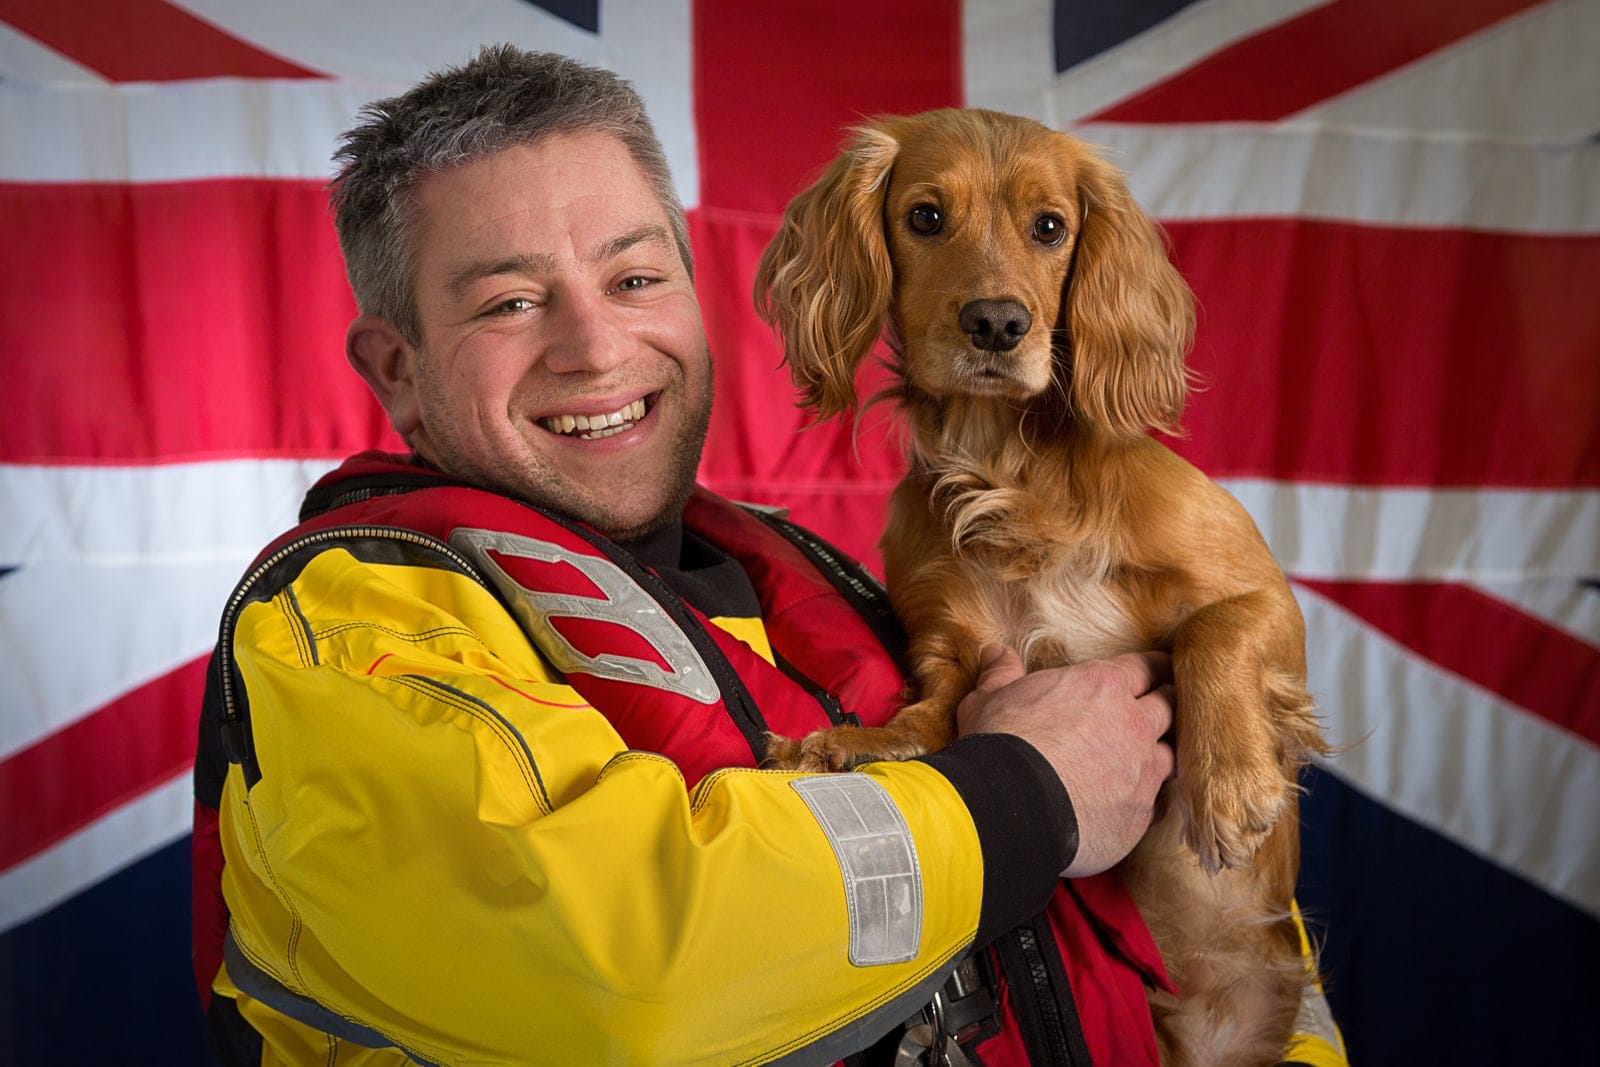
x=449 y=852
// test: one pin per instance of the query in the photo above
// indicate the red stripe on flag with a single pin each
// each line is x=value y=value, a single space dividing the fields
x=769 y=115
x=1550 y=673
x=76 y=775
x=1326 y=51
x=1364 y=355
x=195 y=320
x=144 y=41
x=769 y=111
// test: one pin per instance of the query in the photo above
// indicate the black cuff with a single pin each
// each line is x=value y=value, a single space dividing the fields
x=1025 y=823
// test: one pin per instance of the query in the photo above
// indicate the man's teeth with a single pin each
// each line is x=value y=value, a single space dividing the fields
x=594 y=427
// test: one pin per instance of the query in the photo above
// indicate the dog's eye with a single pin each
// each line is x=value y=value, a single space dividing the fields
x=1048 y=230
x=925 y=219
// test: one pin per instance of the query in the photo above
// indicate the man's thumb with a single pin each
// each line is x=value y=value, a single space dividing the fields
x=998 y=666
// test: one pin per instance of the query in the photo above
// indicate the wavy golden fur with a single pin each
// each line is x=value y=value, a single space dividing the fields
x=1039 y=331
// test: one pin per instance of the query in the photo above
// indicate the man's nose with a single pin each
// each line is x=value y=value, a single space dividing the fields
x=586 y=334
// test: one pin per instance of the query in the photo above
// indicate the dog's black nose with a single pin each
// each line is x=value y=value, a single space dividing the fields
x=996 y=325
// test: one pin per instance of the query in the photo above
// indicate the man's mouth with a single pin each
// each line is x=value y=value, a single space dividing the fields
x=594 y=427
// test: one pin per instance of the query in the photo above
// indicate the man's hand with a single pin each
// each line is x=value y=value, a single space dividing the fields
x=1100 y=724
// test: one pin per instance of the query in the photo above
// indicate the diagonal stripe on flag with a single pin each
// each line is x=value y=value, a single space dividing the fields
x=1291 y=66
x=1486 y=641
x=118 y=753
x=144 y=41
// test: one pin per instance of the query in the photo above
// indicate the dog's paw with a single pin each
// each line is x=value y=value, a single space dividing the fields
x=842 y=748
x=834 y=750
x=783 y=754
x=824 y=750
x=1229 y=813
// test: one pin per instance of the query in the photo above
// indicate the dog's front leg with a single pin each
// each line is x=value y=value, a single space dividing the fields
x=1242 y=709
x=946 y=667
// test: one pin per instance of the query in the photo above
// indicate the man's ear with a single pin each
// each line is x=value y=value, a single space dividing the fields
x=387 y=362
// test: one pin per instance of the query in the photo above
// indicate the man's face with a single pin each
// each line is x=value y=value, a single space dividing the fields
x=551 y=296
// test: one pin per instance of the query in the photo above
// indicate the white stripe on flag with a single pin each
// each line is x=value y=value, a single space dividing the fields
x=126 y=835
x=220 y=510
x=79 y=636
x=1448 y=754
x=175 y=512
x=1331 y=531
x=384 y=44
x=1388 y=179
x=177 y=131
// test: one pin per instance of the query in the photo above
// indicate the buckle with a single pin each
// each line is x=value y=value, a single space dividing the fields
x=962 y=1013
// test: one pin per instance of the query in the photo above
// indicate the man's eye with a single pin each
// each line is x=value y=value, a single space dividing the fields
x=636 y=281
x=512 y=306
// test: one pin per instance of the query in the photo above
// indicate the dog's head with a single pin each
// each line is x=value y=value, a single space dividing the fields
x=1005 y=259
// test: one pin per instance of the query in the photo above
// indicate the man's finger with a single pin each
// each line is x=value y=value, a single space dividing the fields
x=1160 y=701
x=1166 y=762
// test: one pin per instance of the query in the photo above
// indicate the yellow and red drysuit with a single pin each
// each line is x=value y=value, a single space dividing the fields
x=476 y=786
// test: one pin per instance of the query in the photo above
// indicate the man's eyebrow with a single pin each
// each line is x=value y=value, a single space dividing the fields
x=544 y=263
x=462 y=279
x=624 y=241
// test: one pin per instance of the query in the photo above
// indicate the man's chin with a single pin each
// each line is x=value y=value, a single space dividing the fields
x=624 y=531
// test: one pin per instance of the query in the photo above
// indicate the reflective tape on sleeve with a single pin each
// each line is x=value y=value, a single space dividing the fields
x=882 y=882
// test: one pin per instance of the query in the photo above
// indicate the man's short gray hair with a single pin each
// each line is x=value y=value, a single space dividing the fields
x=502 y=98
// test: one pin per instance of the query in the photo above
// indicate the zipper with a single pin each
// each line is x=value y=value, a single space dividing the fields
x=736 y=697
x=1041 y=997
x=322 y=499
x=233 y=731
x=1039 y=978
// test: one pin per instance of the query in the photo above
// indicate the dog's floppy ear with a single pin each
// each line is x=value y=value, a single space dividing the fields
x=825 y=280
x=1129 y=313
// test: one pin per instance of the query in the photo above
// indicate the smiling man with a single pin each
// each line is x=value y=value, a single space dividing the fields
x=477 y=776
x=558 y=353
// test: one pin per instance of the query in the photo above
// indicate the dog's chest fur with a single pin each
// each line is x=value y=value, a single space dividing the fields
x=1062 y=614
x=1028 y=575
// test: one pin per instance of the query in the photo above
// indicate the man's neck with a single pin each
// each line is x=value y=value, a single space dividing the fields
x=664 y=548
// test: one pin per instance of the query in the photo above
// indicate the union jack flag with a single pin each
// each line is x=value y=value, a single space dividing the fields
x=1390 y=214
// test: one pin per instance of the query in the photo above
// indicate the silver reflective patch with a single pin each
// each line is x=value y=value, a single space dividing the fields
x=622 y=602
x=882 y=881
x=1316 y=1018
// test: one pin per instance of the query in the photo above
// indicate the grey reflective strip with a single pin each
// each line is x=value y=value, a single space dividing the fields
x=621 y=602
x=882 y=882
x=1316 y=1018
x=254 y=982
